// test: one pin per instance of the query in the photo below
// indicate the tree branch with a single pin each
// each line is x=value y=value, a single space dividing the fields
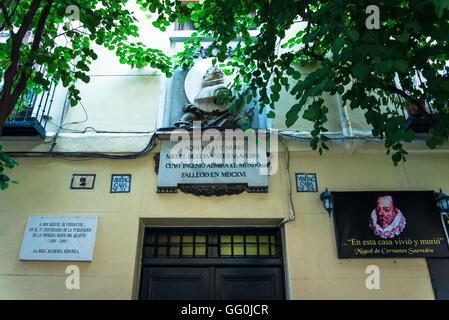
x=313 y=55
x=7 y=19
x=76 y=29
x=21 y=85
x=420 y=105
x=15 y=52
x=6 y=103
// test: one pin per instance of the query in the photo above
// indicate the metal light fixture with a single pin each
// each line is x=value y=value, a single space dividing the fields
x=328 y=201
x=442 y=201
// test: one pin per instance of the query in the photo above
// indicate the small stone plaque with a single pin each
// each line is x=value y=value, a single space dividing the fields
x=83 y=181
x=306 y=182
x=120 y=183
x=59 y=238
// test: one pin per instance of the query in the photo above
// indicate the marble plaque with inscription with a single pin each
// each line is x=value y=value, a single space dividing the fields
x=198 y=168
x=59 y=238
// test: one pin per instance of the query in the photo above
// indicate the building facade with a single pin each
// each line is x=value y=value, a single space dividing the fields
x=151 y=244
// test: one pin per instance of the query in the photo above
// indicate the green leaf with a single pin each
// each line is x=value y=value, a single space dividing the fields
x=440 y=6
x=227 y=72
x=353 y=34
x=403 y=38
x=401 y=65
x=312 y=112
x=360 y=70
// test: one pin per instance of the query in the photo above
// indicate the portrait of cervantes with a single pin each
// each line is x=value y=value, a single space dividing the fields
x=386 y=220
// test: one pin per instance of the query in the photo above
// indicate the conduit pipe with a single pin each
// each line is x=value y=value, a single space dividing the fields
x=344 y=118
x=289 y=186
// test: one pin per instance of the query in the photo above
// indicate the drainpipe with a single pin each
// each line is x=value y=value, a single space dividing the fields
x=344 y=118
x=286 y=220
x=61 y=121
x=290 y=203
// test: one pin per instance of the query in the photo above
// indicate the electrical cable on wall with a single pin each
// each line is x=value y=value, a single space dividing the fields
x=61 y=127
x=93 y=155
x=149 y=146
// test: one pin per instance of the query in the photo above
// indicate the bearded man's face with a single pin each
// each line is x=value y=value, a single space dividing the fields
x=385 y=211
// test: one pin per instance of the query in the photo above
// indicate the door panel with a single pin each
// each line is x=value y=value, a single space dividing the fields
x=175 y=284
x=439 y=275
x=212 y=263
x=248 y=284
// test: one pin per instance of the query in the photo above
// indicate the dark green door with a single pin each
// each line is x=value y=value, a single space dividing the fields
x=212 y=263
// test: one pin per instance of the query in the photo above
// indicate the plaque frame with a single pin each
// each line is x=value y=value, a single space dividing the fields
x=72 y=187
x=120 y=175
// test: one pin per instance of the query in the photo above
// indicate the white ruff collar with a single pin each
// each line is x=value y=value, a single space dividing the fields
x=392 y=230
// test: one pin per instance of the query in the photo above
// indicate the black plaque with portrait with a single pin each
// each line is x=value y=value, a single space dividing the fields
x=398 y=224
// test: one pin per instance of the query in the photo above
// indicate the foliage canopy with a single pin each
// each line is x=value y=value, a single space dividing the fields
x=43 y=45
x=367 y=67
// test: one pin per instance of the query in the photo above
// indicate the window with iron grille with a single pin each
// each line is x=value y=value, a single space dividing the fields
x=212 y=263
x=32 y=111
x=212 y=243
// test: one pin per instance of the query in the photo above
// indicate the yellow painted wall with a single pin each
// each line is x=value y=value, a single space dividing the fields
x=314 y=272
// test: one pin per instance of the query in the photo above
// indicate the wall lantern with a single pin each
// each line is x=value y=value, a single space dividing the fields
x=328 y=201
x=442 y=202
